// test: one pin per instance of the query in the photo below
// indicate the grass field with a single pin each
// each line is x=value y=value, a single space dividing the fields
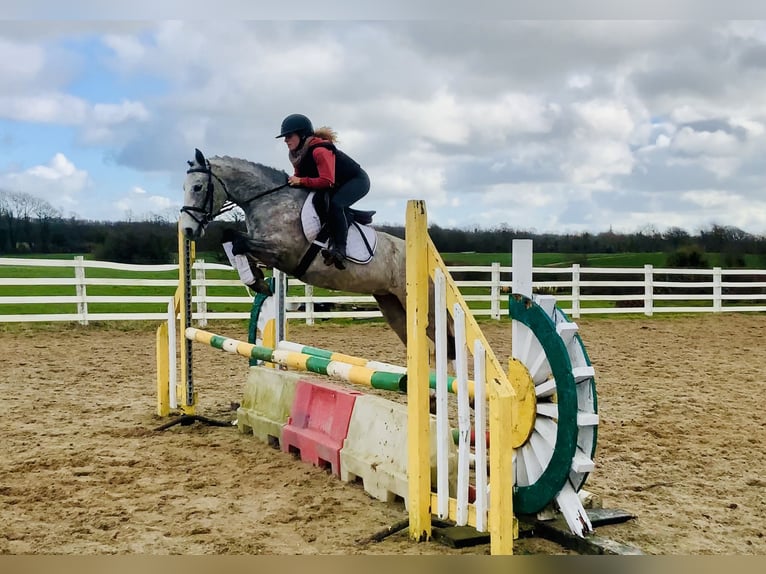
x=657 y=259
x=637 y=260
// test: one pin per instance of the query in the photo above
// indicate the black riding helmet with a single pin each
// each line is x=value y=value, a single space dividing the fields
x=296 y=124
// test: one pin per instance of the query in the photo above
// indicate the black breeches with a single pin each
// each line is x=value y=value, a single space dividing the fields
x=342 y=198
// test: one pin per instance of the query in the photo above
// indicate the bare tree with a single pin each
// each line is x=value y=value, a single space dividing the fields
x=17 y=210
x=43 y=210
x=5 y=225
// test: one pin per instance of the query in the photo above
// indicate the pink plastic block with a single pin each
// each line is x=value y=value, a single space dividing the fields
x=318 y=423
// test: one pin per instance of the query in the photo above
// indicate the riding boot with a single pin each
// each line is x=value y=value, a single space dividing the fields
x=339 y=256
x=336 y=254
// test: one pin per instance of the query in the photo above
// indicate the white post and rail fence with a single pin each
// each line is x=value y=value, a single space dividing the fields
x=81 y=290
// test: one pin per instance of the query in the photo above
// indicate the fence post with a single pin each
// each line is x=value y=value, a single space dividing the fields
x=494 y=291
x=308 y=291
x=199 y=279
x=82 y=302
x=648 y=290
x=575 y=290
x=521 y=280
x=521 y=261
x=280 y=300
x=717 y=290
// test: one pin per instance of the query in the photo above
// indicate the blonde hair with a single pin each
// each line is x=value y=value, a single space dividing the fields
x=326 y=133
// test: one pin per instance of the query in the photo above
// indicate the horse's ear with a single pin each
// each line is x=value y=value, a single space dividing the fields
x=199 y=157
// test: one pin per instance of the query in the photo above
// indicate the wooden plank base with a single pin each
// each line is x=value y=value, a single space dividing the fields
x=558 y=531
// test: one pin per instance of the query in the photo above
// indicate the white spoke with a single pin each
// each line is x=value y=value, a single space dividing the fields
x=522 y=339
x=582 y=374
x=543 y=451
x=532 y=465
x=548 y=410
x=582 y=462
x=546 y=388
x=547 y=429
x=587 y=419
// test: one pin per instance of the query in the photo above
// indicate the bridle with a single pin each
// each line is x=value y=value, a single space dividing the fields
x=205 y=214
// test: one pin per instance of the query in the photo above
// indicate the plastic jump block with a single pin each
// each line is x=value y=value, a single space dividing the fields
x=318 y=423
x=375 y=449
x=266 y=403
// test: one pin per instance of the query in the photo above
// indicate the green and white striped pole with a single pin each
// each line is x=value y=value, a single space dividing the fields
x=374 y=365
x=356 y=374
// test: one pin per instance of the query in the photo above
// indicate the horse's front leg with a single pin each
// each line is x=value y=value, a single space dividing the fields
x=241 y=244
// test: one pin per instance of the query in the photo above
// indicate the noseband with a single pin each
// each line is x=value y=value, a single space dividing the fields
x=205 y=214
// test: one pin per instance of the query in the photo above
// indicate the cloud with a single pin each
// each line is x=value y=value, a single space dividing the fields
x=20 y=64
x=446 y=112
x=552 y=124
x=129 y=51
x=96 y=121
x=718 y=143
x=59 y=182
x=138 y=203
x=48 y=108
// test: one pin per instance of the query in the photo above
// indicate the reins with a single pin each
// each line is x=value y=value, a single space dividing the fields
x=267 y=192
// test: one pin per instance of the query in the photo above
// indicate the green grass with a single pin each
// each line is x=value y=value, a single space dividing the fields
x=657 y=259
x=118 y=290
x=560 y=259
x=637 y=260
x=33 y=272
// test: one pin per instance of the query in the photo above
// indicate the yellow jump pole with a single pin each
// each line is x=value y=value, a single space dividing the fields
x=163 y=374
x=418 y=416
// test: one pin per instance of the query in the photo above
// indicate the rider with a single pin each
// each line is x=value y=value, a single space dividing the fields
x=320 y=166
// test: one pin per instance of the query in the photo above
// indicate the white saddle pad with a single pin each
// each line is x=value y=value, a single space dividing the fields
x=356 y=249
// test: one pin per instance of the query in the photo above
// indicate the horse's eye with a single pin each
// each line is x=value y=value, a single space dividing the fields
x=197 y=188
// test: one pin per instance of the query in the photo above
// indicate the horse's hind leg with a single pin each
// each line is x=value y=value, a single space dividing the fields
x=396 y=317
x=394 y=314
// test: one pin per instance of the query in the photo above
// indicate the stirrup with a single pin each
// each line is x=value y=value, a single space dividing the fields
x=339 y=263
x=334 y=257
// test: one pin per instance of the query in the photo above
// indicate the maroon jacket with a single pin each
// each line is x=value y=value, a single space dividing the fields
x=324 y=166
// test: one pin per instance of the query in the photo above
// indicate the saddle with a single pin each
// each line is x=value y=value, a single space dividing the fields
x=362 y=239
x=361 y=242
x=321 y=202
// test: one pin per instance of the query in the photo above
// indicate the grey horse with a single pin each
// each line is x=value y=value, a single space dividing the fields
x=275 y=233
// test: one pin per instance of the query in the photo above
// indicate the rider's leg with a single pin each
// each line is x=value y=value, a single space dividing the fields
x=349 y=193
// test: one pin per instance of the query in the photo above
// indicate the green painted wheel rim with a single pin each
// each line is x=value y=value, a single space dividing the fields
x=532 y=498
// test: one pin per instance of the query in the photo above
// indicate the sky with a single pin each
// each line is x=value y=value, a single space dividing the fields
x=547 y=125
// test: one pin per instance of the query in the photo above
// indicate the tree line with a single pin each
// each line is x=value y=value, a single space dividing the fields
x=30 y=225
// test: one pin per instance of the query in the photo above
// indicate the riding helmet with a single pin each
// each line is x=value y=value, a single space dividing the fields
x=296 y=124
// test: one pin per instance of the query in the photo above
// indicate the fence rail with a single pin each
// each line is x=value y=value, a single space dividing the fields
x=84 y=291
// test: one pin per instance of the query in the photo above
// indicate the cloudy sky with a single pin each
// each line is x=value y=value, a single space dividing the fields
x=544 y=125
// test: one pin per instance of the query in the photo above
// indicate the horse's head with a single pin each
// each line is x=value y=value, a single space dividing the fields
x=201 y=202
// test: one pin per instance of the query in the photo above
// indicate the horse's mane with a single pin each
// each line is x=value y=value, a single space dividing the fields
x=248 y=169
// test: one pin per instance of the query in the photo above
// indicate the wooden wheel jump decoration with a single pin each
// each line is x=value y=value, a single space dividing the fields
x=554 y=459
